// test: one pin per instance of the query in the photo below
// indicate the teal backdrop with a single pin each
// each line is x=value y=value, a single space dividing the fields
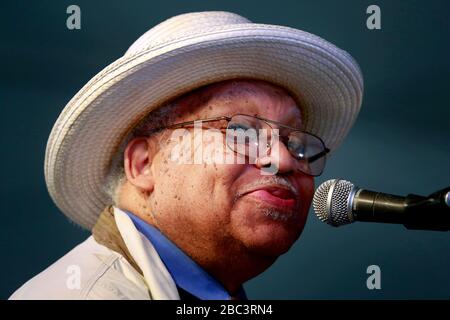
x=399 y=144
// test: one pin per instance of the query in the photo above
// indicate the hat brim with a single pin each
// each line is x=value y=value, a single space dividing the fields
x=325 y=79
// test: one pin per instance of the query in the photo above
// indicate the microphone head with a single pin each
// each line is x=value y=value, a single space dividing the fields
x=333 y=201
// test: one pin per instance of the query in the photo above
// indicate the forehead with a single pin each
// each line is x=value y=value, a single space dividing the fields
x=251 y=97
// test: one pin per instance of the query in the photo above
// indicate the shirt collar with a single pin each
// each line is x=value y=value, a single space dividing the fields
x=186 y=273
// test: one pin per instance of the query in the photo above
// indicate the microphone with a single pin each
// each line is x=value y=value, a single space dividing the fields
x=339 y=202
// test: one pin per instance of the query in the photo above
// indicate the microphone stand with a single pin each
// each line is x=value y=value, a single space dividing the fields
x=428 y=213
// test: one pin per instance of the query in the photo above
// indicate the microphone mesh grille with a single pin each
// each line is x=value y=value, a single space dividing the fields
x=320 y=200
x=339 y=203
x=333 y=208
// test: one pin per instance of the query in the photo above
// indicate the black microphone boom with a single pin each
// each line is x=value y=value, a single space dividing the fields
x=339 y=202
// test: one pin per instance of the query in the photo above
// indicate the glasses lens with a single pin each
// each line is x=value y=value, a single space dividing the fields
x=247 y=136
x=252 y=138
x=309 y=152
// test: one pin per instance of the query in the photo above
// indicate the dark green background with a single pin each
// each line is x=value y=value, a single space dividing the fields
x=400 y=143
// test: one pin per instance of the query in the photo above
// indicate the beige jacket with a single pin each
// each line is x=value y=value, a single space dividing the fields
x=105 y=266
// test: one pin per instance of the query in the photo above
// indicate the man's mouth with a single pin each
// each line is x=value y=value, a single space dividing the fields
x=279 y=197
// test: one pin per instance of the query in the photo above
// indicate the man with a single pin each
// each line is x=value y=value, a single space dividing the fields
x=192 y=158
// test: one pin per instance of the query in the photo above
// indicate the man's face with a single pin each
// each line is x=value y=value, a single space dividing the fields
x=224 y=204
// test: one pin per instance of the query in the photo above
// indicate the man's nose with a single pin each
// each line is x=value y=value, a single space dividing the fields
x=278 y=158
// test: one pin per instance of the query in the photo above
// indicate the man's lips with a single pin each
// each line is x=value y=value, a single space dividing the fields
x=276 y=196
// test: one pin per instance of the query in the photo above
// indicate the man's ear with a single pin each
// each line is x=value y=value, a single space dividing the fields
x=138 y=157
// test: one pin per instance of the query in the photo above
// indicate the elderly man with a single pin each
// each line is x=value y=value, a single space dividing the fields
x=200 y=145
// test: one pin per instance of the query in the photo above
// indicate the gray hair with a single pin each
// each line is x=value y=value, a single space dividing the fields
x=116 y=173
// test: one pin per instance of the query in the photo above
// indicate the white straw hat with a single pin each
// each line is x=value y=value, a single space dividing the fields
x=177 y=56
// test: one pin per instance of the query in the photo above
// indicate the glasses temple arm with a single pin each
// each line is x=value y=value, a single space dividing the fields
x=318 y=156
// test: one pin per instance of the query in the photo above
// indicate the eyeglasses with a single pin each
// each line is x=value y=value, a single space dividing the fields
x=244 y=137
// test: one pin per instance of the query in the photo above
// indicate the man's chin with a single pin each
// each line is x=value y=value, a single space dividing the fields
x=266 y=230
x=272 y=241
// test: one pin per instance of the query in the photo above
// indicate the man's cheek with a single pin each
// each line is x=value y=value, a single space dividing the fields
x=305 y=185
x=307 y=196
x=230 y=172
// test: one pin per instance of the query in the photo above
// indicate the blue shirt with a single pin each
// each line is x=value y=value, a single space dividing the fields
x=186 y=273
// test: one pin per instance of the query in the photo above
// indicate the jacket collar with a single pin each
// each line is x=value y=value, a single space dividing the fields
x=106 y=233
x=116 y=231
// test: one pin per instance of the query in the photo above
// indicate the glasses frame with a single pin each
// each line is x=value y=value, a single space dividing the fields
x=267 y=121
